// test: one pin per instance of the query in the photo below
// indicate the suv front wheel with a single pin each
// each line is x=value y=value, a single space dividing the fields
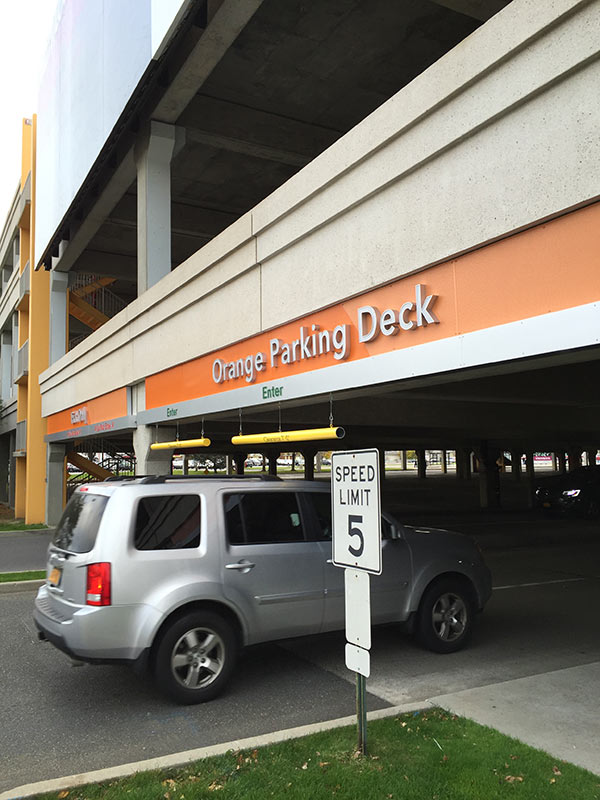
x=195 y=657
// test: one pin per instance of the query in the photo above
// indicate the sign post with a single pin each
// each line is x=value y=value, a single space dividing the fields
x=356 y=516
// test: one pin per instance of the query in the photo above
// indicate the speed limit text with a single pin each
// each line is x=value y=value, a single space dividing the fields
x=354 y=474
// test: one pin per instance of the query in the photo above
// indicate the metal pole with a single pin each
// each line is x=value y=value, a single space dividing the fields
x=361 y=713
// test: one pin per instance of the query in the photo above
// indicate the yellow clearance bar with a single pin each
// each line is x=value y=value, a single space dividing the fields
x=180 y=443
x=308 y=435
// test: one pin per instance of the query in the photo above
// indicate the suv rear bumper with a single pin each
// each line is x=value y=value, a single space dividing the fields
x=96 y=635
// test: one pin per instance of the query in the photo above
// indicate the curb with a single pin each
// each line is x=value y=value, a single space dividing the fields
x=187 y=756
x=10 y=587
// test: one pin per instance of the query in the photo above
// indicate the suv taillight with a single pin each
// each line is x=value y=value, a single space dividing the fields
x=98 y=584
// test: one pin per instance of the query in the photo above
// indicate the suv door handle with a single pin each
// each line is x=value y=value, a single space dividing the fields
x=243 y=566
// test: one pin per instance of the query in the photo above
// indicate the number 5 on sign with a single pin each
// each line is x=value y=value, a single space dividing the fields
x=356 y=510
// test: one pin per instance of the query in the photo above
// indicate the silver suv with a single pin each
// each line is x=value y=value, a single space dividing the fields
x=179 y=574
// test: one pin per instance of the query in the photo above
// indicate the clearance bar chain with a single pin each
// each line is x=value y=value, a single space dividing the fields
x=180 y=443
x=308 y=435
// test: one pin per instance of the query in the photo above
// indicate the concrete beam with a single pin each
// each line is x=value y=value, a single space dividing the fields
x=186 y=220
x=247 y=148
x=223 y=29
x=477 y=9
x=124 y=175
x=117 y=265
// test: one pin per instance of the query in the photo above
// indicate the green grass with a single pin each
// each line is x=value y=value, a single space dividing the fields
x=426 y=756
x=28 y=575
x=21 y=526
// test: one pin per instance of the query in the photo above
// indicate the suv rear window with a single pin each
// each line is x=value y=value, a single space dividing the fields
x=167 y=522
x=79 y=523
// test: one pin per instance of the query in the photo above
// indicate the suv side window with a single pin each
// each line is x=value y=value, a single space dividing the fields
x=263 y=518
x=322 y=505
x=167 y=522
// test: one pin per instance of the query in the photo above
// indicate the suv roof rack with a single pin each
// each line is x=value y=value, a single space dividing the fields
x=165 y=478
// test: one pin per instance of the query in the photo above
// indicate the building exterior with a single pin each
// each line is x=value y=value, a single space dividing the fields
x=24 y=321
x=379 y=214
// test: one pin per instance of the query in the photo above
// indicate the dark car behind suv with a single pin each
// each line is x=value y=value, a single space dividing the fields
x=576 y=493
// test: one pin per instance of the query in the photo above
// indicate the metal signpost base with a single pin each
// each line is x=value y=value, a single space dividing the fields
x=361 y=713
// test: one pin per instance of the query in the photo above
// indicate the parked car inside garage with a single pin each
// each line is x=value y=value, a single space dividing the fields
x=576 y=493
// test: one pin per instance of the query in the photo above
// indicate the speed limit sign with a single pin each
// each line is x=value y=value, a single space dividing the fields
x=356 y=510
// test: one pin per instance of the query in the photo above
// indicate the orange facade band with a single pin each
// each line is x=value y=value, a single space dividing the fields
x=475 y=291
x=93 y=412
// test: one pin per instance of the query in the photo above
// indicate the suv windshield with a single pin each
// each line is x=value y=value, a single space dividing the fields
x=79 y=523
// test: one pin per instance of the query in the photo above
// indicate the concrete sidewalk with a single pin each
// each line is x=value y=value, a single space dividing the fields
x=555 y=711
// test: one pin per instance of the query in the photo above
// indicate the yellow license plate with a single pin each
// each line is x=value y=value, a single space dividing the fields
x=54 y=576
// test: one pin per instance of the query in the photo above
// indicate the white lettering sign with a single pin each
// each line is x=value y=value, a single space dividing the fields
x=314 y=342
x=79 y=415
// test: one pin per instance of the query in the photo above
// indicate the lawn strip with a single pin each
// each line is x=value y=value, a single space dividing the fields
x=415 y=756
x=28 y=575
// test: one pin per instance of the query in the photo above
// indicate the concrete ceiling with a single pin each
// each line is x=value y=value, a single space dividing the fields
x=258 y=100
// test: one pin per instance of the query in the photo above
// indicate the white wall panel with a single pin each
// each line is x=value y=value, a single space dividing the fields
x=100 y=52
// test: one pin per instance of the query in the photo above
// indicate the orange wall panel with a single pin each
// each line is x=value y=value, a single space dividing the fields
x=106 y=407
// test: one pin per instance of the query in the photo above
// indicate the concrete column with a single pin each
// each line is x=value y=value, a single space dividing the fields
x=309 y=464
x=381 y=452
x=6 y=364
x=489 y=476
x=562 y=462
x=59 y=315
x=239 y=459
x=12 y=479
x=554 y=462
x=4 y=467
x=529 y=465
x=273 y=463
x=463 y=464
x=6 y=273
x=153 y=161
x=590 y=456
x=444 y=461
x=14 y=353
x=152 y=462
x=56 y=482
x=516 y=464
x=574 y=459
x=421 y=463
x=403 y=460
x=185 y=465
x=530 y=472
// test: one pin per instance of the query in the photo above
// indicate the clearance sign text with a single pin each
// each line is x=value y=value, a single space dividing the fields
x=314 y=342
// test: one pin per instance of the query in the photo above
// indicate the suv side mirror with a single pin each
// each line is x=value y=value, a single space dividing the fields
x=395 y=532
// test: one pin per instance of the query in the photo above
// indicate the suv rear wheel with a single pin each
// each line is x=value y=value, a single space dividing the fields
x=195 y=657
x=444 y=619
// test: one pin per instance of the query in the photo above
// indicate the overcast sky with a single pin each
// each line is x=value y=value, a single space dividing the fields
x=25 y=30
